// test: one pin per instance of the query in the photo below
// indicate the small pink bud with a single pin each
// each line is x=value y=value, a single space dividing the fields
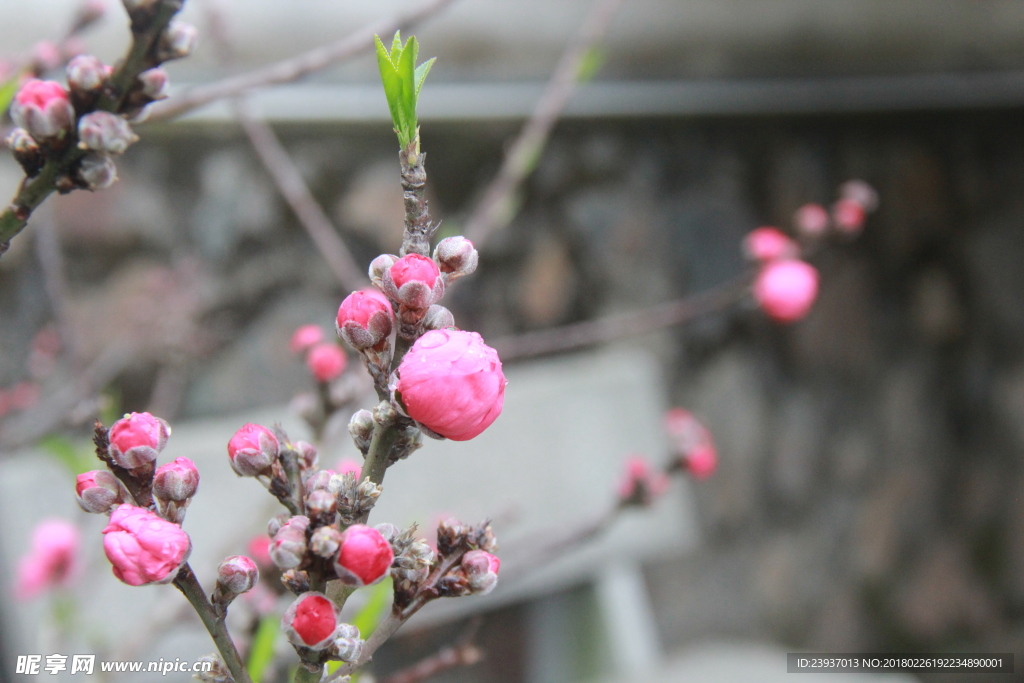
x=311 y=621
x=321 y=504
x=237 y=574
x=102 y=131
x=42 y=108
x=142 y=547
x=252 y=449
x=306 y=337
x=177 y=41
x=97 y=171
x=414 y=281
x=786 y=289
x=347 y=466
x=438 y=318
x=98 y=491
x=701 y=462
x=308 y=455
x=641 y=484
x=380 y=266
x=456 y=256
x=326 y=362
x=177 y=481
x=848 y=215
x=52 y=559
x=325 y=542
x=364 y=319
x=451 y=382
x=288 y=549
x=481 y=570
x=364 y=556
x=769 y=244
x=414 y=268
x=860 y=192
x=87 y=74
x=136 y=439
x=154 y=83
x=811 y=220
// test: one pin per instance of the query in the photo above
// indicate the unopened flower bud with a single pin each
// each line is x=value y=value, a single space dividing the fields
x=276 y=522
x=177 y=41
x=364 y=556
x=289 y=545
x=451 y=534
x=701 y=462
x=456 y=256
x=769 y=244
x=641 y=484
x=43 y=109
x=153 y=83
x=481 y=571
x=326 y=362
x=142 y=547
x=384 y=414
x=379 y=267
x=311 y=621
x=321 y=504
x=414 y=281
x=87 y=74
x=296 y=581
x=176 y=480
x=364 y=319
x=848 y=215
x=325 y=541
x=136 y=440
x=308 y=457
x=318 y=481
x=811 y=220
x=98 y=491
x=252 y=450
x=438 y=318
x=347 y=645
x=361 y=428
x=52 y=561
x=305 y=337
x=96 y=171
x=860 y=192
x=237 y=574
x=102 y=131
x=388 y=530
x=786 y=289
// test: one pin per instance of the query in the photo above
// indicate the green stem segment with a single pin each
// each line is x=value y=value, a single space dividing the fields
x=188 y=584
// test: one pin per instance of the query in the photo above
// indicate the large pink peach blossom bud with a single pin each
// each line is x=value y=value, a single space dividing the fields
x=43 y=109
x=311 y=621
x=769 y=244
x=98 y=491
x=326 y=362
x=451 y=382
x=137 y=439
x=364 y=556
x=252 y=449
x=305 y=338
x=176 y=481
x=786 y=289
x=237 y=574
x=811 y=220
x=144 y=548
x=481 y=570
x=52 y=559
x=364 y=319
x=414 y=281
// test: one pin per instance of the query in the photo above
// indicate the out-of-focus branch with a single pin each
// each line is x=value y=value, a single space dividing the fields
x=295 y=191
x=294 y=68
x=51 y=261
x=621 y=325
x=494 y=210
x=463 y=652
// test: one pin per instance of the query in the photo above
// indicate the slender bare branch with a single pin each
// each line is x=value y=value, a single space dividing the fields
x=293 y=69
x=51 y=262
x=494 y=211
x=463 y=652
x=621 y=325
x=295 y=191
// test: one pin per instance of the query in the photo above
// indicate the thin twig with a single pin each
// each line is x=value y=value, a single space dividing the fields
x=621 y=325
x=293 y=188
x=493 y=212
x=51 y=261
x=463 y=652
x=293 y=69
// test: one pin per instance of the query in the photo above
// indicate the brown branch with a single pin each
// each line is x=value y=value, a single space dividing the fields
x=293 y=188
x=294 y=68
x=463 y=652
x=621 y=325
x=494 y=211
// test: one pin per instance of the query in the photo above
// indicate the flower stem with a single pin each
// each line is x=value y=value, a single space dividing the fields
x=188 y=584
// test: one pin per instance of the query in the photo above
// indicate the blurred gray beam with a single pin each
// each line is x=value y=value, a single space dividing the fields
x=495 y=101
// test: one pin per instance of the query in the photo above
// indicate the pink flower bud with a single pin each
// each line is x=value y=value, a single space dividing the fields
x=414 y=281
x=692 y=442
x=97 y=171
x=364 y=319
x=252 y=449
x=451 y=382
x=87 y=74
x=860 y=192
x=481 y=570
x=177 y=41
x=102 y=131
x=98 y=491
x=347 y=466
x=641 y=484
x=361 y=429
x=306 y=337
x=52 y=559
x=701 y=462
x=154 y=83
x=259 y=548
x=143 y=548
x=438 y=318
x=325 y=541
x=311 y=621
x=364 y=556
x=456 y=256
x=237 y=574
x=811 y=220
x=26 y=151
x=848 y=215
x=769 y=244
x=321 y=504
x=136 y=439
x=308 y=455
x=326 y=362
x=176 y=480
x=379 y=267
x=42 y=108
x=786 y=289
x=288 y=549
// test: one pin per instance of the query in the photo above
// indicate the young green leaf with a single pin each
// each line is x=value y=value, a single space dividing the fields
x=402 y=82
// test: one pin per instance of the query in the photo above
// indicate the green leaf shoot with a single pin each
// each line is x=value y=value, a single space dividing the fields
x=402 y=81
